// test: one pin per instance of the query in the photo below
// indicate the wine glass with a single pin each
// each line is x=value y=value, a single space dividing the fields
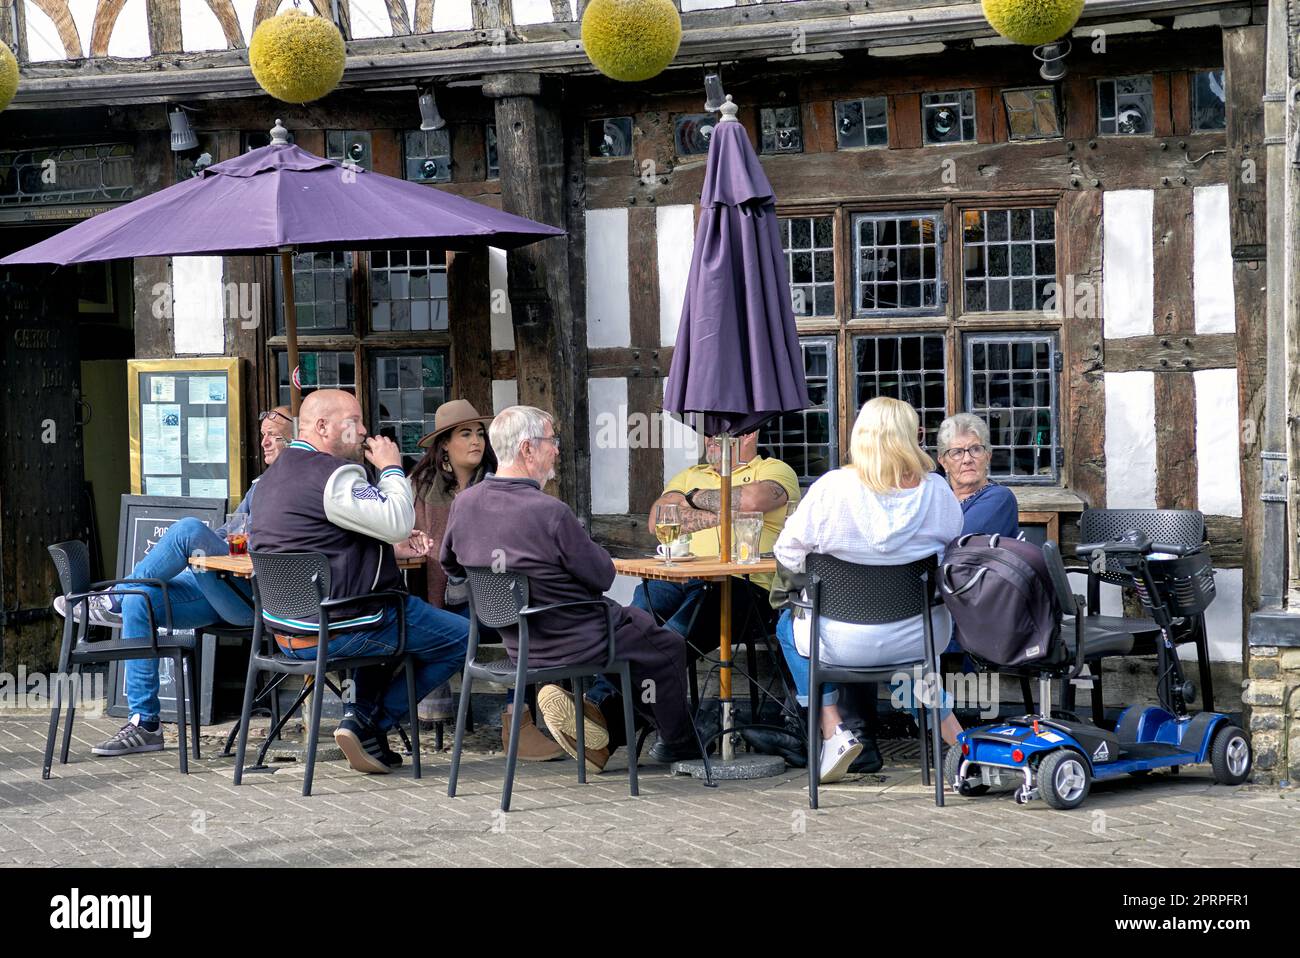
x=668 y=526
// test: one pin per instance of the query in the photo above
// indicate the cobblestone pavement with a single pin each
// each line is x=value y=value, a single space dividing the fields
x=139 y=810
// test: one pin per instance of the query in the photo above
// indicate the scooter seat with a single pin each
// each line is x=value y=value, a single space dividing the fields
x=1120 y=623
x=1097 y=641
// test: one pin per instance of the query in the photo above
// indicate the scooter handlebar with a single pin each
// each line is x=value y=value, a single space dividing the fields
x=1140 y=545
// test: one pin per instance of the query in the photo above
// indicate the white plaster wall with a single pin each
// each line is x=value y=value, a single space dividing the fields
x=244 y=11
x=532 y=11
x=1218 y=447
x=43 y=43
x=370 y=18
x=83 y=15
x=609 y=311
x=682 y=445
x=1212 y=261
x=1130 y=440
x=609 y=460
x=1223 y=618
x=674 y=242
x=452 y=15
x=199 y=309
x=200 y=28
x=503 y=329
x=130 y=37
x=689 y=5
x=1128 y=276
x=505 y=393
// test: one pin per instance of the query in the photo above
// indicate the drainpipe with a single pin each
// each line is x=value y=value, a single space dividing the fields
x=1275 y=546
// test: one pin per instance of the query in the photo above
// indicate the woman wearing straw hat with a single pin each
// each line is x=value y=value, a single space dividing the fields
x=459 y=455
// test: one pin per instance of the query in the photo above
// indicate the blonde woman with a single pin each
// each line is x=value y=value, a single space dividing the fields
x=886 y=508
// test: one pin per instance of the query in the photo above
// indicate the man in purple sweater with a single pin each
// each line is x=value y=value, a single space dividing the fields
x=506 y=520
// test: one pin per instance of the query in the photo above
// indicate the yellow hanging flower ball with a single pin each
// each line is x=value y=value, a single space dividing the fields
x=1032 y=22
x=631 y=40
x=296 y=57
x=8 y=75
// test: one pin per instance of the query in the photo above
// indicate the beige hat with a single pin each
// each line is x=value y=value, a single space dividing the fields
x=451 y=414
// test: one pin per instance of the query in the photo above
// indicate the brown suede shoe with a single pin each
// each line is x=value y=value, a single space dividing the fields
x=597 y=758
x=533 y=745
x=556 y=706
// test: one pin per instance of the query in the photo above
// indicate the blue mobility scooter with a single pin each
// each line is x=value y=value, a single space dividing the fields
x=1060 y=757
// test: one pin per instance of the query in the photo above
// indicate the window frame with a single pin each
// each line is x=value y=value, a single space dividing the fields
x=941 y=242
x=1151 y=100
x=831 y=342
x=969 y=339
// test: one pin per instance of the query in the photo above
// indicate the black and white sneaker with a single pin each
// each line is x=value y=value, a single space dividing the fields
x=131 y=738
x=105 y=609
x=364 y=746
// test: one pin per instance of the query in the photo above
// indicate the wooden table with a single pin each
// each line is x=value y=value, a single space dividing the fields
x=241 y=566
x=710 y=570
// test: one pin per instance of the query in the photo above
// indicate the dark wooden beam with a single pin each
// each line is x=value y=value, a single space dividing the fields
x=630 y=361
x=1172 y=245
x=1084 y=401
x=1176 y=469
x=469 y=306
x=644 y=393
x=1171 y=353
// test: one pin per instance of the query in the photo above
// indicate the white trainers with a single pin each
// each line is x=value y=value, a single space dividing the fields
x=104 y=607
x=838 y=753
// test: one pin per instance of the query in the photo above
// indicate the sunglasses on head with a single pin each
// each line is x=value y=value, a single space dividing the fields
x=274 y=414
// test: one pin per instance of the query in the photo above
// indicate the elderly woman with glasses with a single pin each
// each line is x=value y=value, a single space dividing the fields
x=964 y=453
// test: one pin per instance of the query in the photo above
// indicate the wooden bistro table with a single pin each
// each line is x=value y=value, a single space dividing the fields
x=709 y=570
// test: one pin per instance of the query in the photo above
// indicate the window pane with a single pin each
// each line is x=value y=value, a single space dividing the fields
x=987 y=261
x=805 y=441
x=1017 y=399
x=406 y=388
x=890 y=248
x=911 y=368
x=810 y=261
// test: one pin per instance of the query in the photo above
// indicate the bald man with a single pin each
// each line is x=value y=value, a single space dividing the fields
x=198 y=599
x=318 y=497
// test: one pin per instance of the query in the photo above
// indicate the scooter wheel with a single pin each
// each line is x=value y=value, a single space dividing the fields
x=1064 y=779
x=972 y=785
x=1230 y=755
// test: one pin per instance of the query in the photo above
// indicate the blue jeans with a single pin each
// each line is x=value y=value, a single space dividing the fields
x=197 y=599
x=799 y=670
x=437 y=640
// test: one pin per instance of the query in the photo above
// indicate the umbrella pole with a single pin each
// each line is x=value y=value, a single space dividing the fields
x=290 y=329
x=724 y=624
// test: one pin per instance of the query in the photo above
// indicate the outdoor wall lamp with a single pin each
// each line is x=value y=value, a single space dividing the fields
x=430 y=118
x=183 y=137
x=1052 y=56
x=713 y=95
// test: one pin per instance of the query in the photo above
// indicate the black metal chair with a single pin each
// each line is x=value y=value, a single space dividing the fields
x=500 y=600
x=72 y=560
x=1176 y=526
x=296 y=586
x=869 y=595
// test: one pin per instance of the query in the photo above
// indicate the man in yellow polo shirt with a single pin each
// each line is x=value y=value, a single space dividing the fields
x=759 y=484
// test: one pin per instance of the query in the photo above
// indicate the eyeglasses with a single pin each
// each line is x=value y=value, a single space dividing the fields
x=274 y=414
x=276 y=439
x=973 y=452
x=554 y=439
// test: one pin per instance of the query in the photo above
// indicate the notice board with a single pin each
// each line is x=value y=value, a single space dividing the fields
x=186 y=428
x=142 y=522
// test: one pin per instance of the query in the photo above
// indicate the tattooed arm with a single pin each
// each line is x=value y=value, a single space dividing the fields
x=761 y=496
x=693 y=520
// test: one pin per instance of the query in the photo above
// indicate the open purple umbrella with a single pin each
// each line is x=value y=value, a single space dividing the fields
x=737 y=363
x=283 y=199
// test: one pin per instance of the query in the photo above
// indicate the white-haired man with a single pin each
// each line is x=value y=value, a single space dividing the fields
x=507 y=519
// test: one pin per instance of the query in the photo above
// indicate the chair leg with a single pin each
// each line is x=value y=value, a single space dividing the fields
x=74 y=686
x=313 y=732
x=195 y=690
x=1068 y=692
x=922 y=724
x=629 y=730
x=814 y=739
x=694 y=679
x=179 y=683
x=1203 y=661
x=512 y=752
x=414 y=717
x=54 y=731
x=1098 y=700
x=751 y=660
x=581 y=723
x=462 y=712
x=936 y=753
x=246 y=711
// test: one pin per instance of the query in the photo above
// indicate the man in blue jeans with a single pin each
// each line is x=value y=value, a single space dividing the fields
x=318 y=497
x=197 y=599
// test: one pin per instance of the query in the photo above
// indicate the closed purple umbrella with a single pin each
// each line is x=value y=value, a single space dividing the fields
x=737 y=363
x=280 y=198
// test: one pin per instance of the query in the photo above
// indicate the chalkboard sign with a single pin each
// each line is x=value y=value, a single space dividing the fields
x=186 y=428
x=142 y=522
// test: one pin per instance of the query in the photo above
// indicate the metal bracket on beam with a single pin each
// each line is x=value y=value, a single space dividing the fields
x=1273 y=477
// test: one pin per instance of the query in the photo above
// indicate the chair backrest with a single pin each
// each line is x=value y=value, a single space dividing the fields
x=872 y=594
x=72 y=561
x=1060 y=580
x=1178 y=526
x=291 y=585
x=496 y=598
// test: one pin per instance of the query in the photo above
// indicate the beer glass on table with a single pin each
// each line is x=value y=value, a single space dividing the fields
x=668 y=527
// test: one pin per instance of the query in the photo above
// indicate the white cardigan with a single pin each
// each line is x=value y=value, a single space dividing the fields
x=839 y=516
